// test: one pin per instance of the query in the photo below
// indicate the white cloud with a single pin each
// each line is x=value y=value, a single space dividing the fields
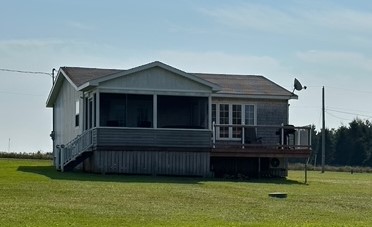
x=81 y=26
x=340 y=19
x=338 y=60
x=220 y=62
x=296 y=19
x=254 y=16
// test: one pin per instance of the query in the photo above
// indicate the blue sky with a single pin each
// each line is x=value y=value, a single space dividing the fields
x=322 y=43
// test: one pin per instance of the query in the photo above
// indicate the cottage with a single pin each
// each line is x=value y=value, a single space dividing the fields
x=156 y=119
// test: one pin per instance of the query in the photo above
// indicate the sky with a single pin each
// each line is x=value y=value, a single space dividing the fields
x=319 y=42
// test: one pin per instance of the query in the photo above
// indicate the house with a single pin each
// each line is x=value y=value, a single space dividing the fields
x=156 y=119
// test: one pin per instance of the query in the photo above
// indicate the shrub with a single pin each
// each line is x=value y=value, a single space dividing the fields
x=351 y=169
x=24 y=155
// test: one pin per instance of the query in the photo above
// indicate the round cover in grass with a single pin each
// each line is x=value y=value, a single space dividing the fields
x=278 y=194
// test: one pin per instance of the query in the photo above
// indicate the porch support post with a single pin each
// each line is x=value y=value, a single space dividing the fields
x=155 y=111
x=85 y=113
x=209 y=112
x=97 y=109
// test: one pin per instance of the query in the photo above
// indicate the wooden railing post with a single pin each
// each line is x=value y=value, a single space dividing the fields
x=62 y=152
x=243 y=135
x=214 y=135
x=282 y=136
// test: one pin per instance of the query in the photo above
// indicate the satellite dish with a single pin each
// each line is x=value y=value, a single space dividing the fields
x=297 y=85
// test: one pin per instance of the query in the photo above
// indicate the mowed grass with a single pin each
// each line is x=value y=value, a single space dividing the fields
x=33 y=193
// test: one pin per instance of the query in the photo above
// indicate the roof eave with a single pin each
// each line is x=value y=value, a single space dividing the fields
x=87 y=86
x=57 y=86
x=54 y=91
x=256 y=96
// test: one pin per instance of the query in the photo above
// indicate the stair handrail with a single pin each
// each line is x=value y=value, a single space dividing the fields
x=77 y=146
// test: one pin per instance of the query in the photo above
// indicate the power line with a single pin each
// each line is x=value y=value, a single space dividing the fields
x=344 y=112
x=350 y=90
x=340 y=118
x=346 y=109
x=23 y=71
x=17 y=93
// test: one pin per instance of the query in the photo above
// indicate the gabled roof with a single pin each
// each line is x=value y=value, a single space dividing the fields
x=247 y=86
x=190 y=76
x=224 y=85
x=85 y=78
x=80 y=76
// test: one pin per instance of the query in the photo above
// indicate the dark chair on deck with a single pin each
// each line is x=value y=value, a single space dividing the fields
x=250 y=136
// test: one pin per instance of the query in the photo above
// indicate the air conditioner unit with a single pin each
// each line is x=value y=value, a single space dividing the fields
x=278 y=163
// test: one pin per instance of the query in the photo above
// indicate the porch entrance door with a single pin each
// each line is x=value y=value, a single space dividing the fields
x=90 y=112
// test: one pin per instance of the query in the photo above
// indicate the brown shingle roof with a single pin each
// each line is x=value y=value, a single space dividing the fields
x=244 y=84
x=230 y=84
x=80 y=76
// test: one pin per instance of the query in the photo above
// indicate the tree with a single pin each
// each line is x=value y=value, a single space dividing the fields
x=353 y=144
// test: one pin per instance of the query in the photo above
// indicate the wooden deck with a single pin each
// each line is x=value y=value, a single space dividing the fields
x=260 y=151
x=266 y=141
x=184 y=152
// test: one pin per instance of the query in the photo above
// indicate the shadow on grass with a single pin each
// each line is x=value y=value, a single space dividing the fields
x=52 y=173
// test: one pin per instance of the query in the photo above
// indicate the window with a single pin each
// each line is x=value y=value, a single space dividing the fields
x=236 y=120
x=249 y=114
x=224 y=119
x=77 y=111
x=233 y=114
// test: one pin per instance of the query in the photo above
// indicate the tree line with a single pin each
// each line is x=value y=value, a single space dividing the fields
x=349 y=145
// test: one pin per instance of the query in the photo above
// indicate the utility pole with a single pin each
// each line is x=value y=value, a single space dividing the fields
x=53 y=76
x=323 y=130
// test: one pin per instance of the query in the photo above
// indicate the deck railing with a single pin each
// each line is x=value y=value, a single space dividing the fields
x=268 y=136
x=76 y=147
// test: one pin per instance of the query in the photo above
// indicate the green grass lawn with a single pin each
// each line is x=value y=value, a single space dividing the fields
x=33 y=193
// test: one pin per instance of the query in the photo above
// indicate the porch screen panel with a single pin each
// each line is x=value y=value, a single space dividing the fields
x=126 y=110
x=139 y=111
x=224 y=119
x=182 y=112
x=236 y=120
x=113 y=110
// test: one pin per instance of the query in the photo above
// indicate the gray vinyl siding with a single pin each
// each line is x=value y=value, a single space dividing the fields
x=271 y=112
x=155 y=79
x=150 y=162
x=65 y=110
x=151 y=137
